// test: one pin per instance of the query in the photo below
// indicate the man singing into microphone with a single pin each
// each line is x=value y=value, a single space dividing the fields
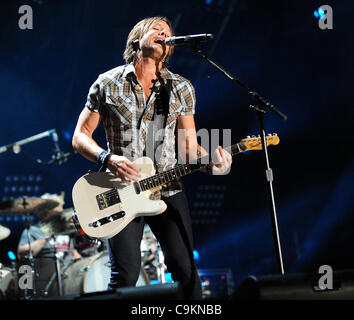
x=136 y=101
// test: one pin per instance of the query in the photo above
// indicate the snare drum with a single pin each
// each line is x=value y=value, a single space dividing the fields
x=91 y=274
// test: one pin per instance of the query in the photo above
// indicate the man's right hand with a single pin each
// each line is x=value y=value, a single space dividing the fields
x=123 y=168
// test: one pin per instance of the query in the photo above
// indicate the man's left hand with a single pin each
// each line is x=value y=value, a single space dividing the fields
x=223 y=166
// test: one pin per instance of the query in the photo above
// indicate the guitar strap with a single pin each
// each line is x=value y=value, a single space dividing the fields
x=155 y=134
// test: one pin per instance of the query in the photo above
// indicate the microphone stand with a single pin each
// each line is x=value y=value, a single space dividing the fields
x=260 y=108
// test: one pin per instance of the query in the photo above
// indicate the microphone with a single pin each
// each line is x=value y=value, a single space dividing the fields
x=188 y=40
x=61 y=157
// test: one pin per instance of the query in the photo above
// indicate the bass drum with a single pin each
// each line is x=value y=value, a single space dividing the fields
x=92 y=274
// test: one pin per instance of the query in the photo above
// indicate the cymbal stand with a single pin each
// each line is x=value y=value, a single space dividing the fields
x=58 y=270
x=161 y=266
x=30 y=253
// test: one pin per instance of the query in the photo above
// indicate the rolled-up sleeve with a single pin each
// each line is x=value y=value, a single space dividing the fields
x=187 y=98
x=95 y=96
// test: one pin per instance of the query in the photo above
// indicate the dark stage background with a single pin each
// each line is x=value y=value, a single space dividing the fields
x=275 y=47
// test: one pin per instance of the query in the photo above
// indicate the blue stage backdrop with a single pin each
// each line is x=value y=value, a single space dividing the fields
x=275 y=47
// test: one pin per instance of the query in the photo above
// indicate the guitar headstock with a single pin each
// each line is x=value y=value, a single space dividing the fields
x=255 y=143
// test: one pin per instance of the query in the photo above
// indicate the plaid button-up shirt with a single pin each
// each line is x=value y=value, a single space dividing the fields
x=118 y=96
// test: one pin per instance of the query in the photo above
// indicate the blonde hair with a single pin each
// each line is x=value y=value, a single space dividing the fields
x=138 y=32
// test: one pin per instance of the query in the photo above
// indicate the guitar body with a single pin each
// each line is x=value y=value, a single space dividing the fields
x=92 y=194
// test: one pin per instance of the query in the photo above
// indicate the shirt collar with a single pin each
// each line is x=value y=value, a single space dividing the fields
x=165 y=73
x=129 y=68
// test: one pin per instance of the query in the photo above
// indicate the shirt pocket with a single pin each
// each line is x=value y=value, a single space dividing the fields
x=121 y=107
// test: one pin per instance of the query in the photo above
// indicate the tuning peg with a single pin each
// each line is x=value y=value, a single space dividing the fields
x=253 y=136
x=269 y=134
x=248 y=137
x=274 y=134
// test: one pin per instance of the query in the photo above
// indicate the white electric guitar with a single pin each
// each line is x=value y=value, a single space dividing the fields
x=104 y=205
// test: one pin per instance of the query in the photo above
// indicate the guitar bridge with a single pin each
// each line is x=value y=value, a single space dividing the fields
x=108 y=219
x=107 y=199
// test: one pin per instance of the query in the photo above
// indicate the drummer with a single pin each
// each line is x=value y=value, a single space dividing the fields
x=41 y=243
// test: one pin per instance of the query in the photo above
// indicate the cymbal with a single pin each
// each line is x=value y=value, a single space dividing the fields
x=60 y=223
x=22 y=206
x=4 y=232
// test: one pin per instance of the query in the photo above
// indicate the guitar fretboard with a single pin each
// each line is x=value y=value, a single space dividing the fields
x=183 y=169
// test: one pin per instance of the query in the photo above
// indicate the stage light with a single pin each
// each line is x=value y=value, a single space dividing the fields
x=206 y=283
x=168 y=277
x=67 y=135
x=196 y=255
x=319 y=14
x=11 y=255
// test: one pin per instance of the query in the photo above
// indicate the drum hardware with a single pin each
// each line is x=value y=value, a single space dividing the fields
x=54 y=276
x=84 y=269
x=30 y=258
x=27 y=206
x=161 y=266
x=152 y=256
x=58 y=256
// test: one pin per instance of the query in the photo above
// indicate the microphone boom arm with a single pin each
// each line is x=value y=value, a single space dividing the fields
x=260 y=100
x=38 y=136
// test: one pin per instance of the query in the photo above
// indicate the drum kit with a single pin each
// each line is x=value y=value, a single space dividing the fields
x=58 y=270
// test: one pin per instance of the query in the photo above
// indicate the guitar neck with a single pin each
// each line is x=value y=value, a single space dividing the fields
x=184 y=169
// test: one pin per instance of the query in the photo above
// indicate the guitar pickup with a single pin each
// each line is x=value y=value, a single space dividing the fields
x=108 y=219
x=107 y=199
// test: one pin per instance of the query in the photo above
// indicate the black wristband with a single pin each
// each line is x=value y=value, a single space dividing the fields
x=103 y=157
x=209 y=169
